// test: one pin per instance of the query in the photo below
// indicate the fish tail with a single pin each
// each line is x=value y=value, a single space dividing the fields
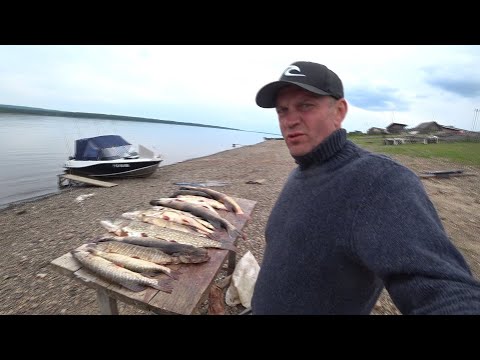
x=234 y=233
x=164 y=285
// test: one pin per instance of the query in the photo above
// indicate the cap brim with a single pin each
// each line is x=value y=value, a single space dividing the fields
x=267 y=95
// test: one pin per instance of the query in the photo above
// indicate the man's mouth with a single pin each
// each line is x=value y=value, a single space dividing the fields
x=294 y=136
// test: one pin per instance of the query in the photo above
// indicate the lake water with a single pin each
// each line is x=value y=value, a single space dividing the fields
x=34 y=148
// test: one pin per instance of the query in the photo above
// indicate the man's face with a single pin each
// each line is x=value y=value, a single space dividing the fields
x=306 y=119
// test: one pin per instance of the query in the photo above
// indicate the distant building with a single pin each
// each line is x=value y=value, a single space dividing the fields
x=451 y=129
x=396 y=128
x=376 y=131
x=356 y=132
x=427 y=128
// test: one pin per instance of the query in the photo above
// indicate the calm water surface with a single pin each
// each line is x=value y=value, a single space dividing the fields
x=34 y=148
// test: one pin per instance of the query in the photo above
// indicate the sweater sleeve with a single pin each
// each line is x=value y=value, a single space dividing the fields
x=398 y=235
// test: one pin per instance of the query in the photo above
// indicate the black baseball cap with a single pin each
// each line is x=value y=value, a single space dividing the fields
x=310 y=76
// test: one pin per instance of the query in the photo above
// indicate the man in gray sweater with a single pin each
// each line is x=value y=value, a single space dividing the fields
x=349 y=222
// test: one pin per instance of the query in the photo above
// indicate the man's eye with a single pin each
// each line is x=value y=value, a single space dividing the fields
x=305 y=106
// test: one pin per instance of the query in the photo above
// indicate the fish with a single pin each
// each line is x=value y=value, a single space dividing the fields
x=203 y=205
x=139 y=229
x=157 y=222
x=157 y=217
x=134 y=264
x=166 y=253
x=119 y=275
x=214 y=219
x=185 y=213
x=191 y=192
x=231 y=204
x=201 y=200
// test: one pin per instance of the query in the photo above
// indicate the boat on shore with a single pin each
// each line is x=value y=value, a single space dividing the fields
x=111 y=156
x=273 y=138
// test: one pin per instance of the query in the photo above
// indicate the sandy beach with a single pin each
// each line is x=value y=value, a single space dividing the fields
x=32 y=234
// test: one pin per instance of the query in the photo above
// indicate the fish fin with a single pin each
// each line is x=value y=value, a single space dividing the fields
x=175 y=274
x=229 y=207
x=151 y=273
x=134 y=287
x=215 y=235
x=216 y=224
x=164 y=285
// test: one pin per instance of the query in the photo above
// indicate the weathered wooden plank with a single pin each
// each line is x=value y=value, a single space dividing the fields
x=188 y=291
x=66 y=264
x=87 y=180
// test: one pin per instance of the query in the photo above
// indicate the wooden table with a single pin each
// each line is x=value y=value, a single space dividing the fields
x=189 y=291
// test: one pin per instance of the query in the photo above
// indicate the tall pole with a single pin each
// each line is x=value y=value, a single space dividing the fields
x=475 y=118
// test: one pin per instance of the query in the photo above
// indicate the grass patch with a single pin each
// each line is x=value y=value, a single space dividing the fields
x=460 y=152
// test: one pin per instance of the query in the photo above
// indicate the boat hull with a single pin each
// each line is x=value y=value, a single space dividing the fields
x=105 y=169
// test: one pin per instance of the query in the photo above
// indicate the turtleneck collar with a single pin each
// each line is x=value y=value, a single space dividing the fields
x=324 y=151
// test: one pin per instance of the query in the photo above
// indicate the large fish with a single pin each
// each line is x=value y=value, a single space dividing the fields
x=134 y=264
x=160 y=209
x=168 y=222
x=176 y=216
x=191 y=192
x=214 y=219
x=166 y=252
x=139 y=229
x=217 y=195
x=203 y=205
x=202 y=200
x=119 y=275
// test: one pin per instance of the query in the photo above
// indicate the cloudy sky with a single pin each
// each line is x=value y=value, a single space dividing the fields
x=217 y=85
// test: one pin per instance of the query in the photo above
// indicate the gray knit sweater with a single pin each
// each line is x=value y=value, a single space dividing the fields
x=349 y=222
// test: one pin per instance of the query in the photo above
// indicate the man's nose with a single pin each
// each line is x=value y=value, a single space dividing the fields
x=292 y=118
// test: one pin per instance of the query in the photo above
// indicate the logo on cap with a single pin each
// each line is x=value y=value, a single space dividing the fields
x=290 y=68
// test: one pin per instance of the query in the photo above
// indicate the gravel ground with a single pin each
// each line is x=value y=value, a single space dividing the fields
x=32 y=234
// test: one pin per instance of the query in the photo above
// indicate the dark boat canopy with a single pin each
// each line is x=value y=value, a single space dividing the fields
x=105 y=147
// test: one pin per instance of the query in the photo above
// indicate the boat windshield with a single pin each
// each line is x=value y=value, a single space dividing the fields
x=106 y=147
x=118 y=152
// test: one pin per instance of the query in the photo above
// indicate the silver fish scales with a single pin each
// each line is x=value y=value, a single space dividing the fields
x=211 y=216
x=177 y=253
x=118 y=275
x=143 y=229
x=134 y=264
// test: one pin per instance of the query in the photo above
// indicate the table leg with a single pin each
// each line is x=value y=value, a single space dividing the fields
x=107 y=305
x=232 y=261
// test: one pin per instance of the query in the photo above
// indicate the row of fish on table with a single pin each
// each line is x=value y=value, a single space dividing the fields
x=175 y=230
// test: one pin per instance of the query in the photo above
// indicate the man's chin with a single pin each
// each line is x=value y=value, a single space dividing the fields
x=297 y=150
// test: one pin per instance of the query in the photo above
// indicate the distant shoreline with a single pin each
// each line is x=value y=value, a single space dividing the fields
x=14 y=109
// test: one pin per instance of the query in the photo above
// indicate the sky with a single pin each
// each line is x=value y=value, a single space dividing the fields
x=217 y=84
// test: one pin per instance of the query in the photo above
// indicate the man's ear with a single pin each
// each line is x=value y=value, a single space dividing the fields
x=341 y=109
